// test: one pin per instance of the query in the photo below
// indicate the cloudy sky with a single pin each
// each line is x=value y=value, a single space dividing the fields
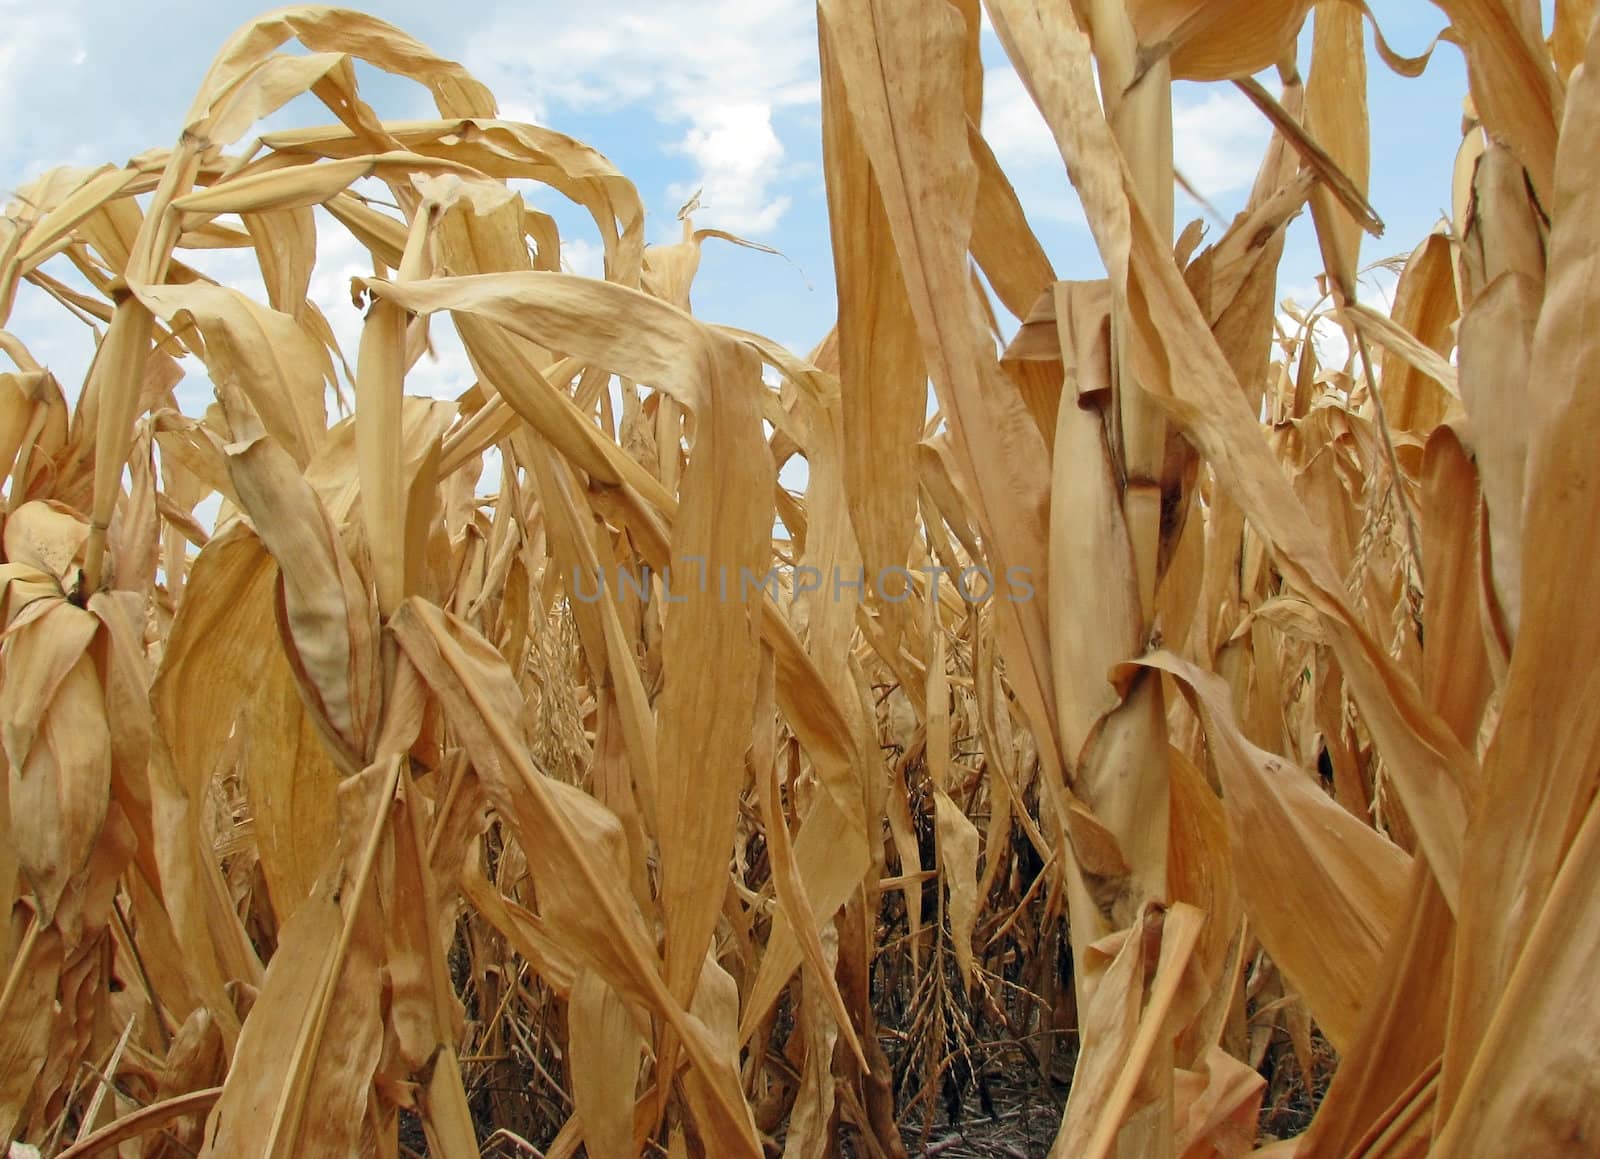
x=681 y=95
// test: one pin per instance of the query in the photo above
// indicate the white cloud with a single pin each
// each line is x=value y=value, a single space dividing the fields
x=1026 y=149
x=1218 y=141
x=1012 y=123
x=1375 y=287
x=445 y=372
x=723 y=72
x=34 y=33
x=583 y=257
x=737 y=152
x=41 y=57
x=56 y=339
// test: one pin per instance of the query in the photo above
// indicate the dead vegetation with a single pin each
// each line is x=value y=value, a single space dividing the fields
x=339 y=820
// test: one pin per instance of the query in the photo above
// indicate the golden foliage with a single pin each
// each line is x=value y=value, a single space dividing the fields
x=341 y=817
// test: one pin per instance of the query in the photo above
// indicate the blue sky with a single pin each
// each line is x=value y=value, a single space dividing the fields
x=681 y=95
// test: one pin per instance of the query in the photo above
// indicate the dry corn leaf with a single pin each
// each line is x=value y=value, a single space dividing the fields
x=1286 y=836
x=325 y=618
x=1524 y=827
x=604 y=1040
x=563 y=830
x=1216 y=41
x=535 y=789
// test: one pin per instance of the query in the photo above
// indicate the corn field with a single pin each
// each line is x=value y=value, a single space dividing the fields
x=1139 y=732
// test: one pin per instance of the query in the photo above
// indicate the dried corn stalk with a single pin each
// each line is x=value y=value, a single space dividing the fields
x=459 y=773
